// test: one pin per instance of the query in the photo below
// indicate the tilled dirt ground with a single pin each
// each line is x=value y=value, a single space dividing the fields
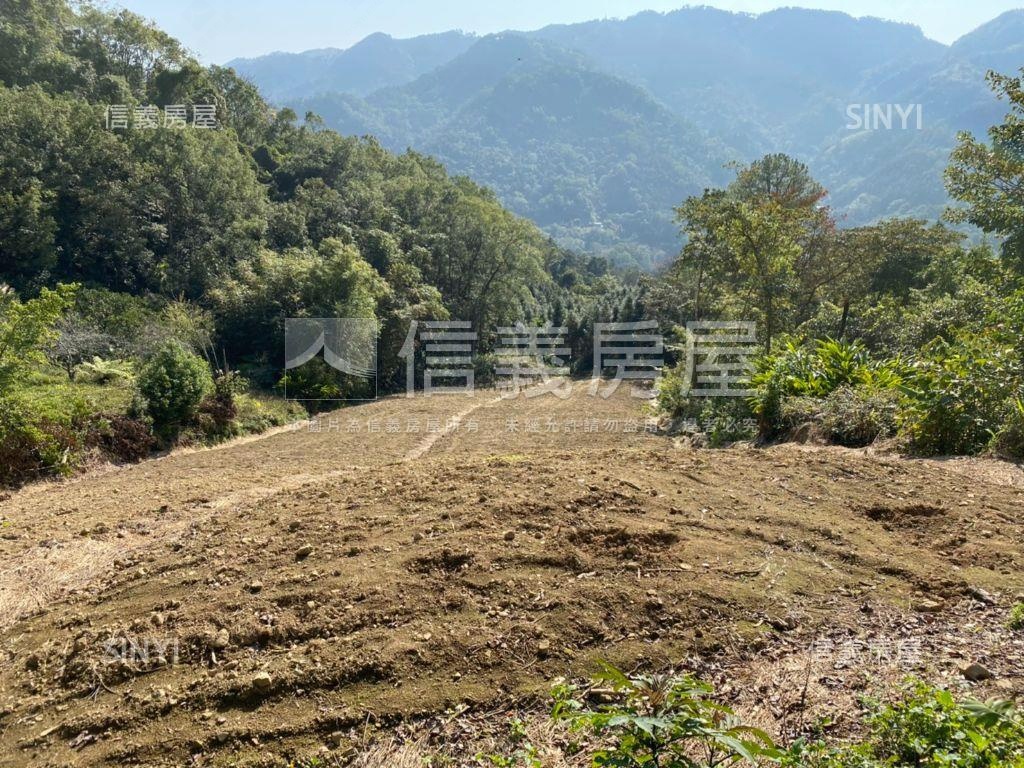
x=411 y=557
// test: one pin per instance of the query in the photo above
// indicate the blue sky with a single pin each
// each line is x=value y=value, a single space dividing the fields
x=219 y=30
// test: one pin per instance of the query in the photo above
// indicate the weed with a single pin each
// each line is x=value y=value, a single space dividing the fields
x=661 y=721
x=1016 y=621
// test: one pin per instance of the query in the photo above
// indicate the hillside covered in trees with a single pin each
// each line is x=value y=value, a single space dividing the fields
x=595 y=130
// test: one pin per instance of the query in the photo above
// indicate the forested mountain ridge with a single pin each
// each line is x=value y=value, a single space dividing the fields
x=778 y=81
x=588 y=156
x=377 y=61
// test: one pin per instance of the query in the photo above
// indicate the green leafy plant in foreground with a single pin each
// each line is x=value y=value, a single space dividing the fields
x=671 y=721
x=661 y=721
x=926 y=727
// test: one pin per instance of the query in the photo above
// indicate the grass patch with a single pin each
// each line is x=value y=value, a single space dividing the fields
x=52 y=393
x=1016 y=621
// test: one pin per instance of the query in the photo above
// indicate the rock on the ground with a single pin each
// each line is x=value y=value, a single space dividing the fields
x=976 y=673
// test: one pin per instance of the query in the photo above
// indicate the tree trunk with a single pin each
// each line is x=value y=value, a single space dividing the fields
x=843 y=320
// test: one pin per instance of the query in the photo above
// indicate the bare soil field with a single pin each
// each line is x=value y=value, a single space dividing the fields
x=419 y=568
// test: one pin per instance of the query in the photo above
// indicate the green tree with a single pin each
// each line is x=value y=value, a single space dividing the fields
x=989 y=177
x=745 y=244
x=331 y=281
x=28 y=329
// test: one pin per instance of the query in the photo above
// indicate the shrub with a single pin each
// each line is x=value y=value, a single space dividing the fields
x=173 y=382
x=1008 y=443
x=927 y=727
x=816 y=372
x=794 y=412
x=314 y=381
x=258 y=414
x=34 y=444
x=216 y=416
x=1016 y=621
x=723 y=420
x=800 y=372
x=958 y=395
x=123 y=438
x=849 y=416
x=671 y=397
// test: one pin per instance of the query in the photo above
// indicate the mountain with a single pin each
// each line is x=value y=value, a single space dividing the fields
x=999 y=44
x=755 y=81
x=591 y=157
x=377 y=61
x=877 y=173
x=596 y=130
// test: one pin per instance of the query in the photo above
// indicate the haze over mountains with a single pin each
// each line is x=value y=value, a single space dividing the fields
x=596 y=130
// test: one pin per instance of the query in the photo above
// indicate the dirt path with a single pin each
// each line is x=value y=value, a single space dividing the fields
x=236 y=605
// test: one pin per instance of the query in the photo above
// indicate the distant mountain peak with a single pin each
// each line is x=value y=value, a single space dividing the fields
x=377 y=61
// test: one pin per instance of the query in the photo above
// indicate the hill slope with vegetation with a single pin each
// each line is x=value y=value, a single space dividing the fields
x=738 y=86
x=206 y=240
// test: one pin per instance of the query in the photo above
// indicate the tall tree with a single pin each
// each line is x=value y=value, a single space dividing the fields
x=748 y=245
x=989 y=177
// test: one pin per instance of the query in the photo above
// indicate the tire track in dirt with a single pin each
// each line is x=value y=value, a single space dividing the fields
x=470 y=564
x=456 y=421
x=62 y=565
x=452 y=426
